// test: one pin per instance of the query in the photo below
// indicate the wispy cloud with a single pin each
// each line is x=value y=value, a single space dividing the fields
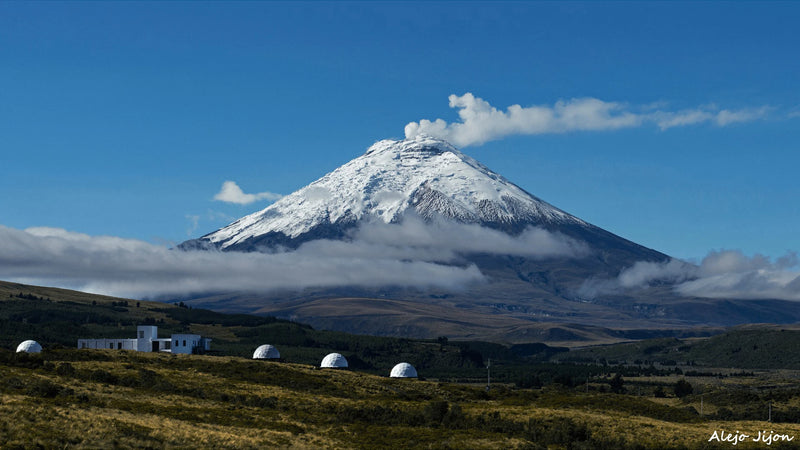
x=194 y=222
x=215 y=217
x=731 y=274
x=446 y=241
x=408 y=255
x=481 y=122
x=709 y=114
x=721 y=274
x=131 y=268
x=232 y=193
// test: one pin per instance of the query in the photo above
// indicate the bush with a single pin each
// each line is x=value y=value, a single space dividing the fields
x=435 y=411
x=65 y=369
x=616 y=384
x=683 y=388
x=43 y=388
x=102 y=376
x=557 y=431
x=659 y=392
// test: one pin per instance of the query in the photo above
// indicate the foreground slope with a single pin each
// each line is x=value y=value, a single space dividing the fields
x=105 y=399
x=68 y=398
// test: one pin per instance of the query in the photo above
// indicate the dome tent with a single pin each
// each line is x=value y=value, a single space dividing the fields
x=334 y=361
x=266 y=351
x=29 y=346
x=403 y=370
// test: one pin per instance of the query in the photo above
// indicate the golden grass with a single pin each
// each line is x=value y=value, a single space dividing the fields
x=155 y=400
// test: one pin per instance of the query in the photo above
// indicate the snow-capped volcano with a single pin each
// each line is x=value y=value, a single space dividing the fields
x=425 y=175
x=534 y=259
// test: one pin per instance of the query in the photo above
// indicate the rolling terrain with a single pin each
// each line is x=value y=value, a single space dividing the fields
x=683 y=391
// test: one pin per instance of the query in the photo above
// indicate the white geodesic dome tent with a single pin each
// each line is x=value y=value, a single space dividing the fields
x=266 y=351
x=29 y=346
x=403 y=370
x=334 y=361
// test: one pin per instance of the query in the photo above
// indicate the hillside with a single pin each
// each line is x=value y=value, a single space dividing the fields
x=132 y=399
x=129 y=399
x=744 y=347
x=57 y=318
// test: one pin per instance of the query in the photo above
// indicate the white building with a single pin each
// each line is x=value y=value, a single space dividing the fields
x=147 y=340
x=266 y=351
x=403 y=370
x=29 y=346
x=334 y=361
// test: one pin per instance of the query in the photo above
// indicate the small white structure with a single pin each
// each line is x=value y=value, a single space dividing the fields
x=189 y=343
x=334 y=361
x=266 y=351
x=147 y=340
x=403 y=370
x=29 y=346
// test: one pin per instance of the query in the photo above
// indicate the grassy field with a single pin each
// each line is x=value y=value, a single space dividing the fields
x=663 y=393
x=103 y=399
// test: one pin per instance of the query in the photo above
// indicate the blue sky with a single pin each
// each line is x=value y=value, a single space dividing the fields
x=124 y=119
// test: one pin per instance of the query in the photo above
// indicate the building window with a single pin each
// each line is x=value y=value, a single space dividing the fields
x=184 y=342
x=111 y=346
x=176 y=343
x=141 y=335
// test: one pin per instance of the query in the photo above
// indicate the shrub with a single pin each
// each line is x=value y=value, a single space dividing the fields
x=43 y=388
x=102 y=376
x=683 y=388
x=65 y=369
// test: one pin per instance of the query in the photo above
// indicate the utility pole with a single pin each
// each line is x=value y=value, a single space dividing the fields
x=488 y=374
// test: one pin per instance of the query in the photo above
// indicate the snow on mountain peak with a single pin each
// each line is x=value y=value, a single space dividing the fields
x=418 y=143
x=421 y=174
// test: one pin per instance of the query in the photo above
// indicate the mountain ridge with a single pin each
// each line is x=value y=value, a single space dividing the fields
x=424 y=175
x=431 y=180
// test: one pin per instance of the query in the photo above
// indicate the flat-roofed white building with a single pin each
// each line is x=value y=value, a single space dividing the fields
x=189 y=343
x=147 y=340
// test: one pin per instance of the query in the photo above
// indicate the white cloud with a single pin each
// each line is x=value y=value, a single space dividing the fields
x=710 y=114
x=232 y=193
x=721 y=274
x=444 y=242
x=639 y=275
x=666 y=120
x=727 y=117
x=731 y=274
x=131 y=268
x=481 y=122
x=409 y=254
x=194 y=221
